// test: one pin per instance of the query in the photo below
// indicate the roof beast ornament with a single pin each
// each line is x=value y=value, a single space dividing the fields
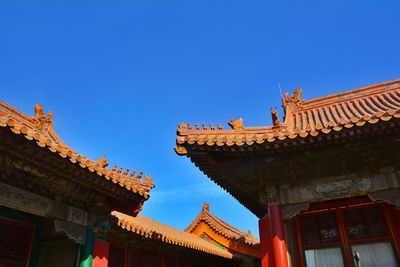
x=293 y=101
x=237 y=124
x=42 y=121
x=206 y=206
x=275 y=117
x=102 y=161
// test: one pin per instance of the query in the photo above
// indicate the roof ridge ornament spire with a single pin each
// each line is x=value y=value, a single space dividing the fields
x=294 y=101
x=42 y=121
x=102 y=161
x=236 y=124
x=275 y=117
x=206 y=206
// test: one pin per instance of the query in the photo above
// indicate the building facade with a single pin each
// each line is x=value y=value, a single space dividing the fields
x=54 y=202
x=324 y=181
x=244 y=247
x=60 y=208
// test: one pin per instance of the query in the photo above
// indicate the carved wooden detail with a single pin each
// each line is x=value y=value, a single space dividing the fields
x=388 y=196
x=75 y=232
x=339 y=187
x=290 y=211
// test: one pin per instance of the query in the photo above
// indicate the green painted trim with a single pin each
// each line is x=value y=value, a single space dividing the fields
x=26 y=218
x=87 y=250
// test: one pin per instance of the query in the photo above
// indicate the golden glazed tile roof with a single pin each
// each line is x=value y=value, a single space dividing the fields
x=150 y=229
x=303 y=118
x=222 y=228
x=39 y=129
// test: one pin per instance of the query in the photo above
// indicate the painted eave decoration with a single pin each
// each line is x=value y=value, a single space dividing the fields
x=39 y=129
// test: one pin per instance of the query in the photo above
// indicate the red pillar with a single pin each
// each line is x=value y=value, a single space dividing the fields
x=264 y=227
x=278 y=236
x=100 y=253
x=393 y=218
x=398 y=215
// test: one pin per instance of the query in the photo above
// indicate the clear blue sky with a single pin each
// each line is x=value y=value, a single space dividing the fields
x=120 y=75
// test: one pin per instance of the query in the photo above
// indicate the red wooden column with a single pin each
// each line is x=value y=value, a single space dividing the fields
x=100 y=253
x=264 y=228
x=393 y=220
x=398 y=216
x=278 y=236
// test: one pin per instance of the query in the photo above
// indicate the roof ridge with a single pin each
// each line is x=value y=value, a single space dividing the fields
x=39 y=128
x=351 y=94
x=227 y=230
x=227 y=225
x=303 y=118
x=152 y=229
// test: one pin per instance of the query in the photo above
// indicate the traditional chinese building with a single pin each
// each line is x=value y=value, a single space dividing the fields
x=54 y=202
x=140 y=241
x=324 y=181
x=60 y=208
x=244 y=247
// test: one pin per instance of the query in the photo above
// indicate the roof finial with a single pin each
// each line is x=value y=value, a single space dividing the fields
x=237 y=124
x=114 y=168
x=206 y=206
x=182 y=126
x=295 y=100
x=139 y=176
x=275 y=117
x=102 y=161
x=42 y=121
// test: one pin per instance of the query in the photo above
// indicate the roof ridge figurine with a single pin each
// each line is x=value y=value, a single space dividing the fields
x=42 y=121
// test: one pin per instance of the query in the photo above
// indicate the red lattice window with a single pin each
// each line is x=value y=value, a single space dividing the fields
x=332 y=235
x=321 y=229
x=365 y=223
x=15 y=242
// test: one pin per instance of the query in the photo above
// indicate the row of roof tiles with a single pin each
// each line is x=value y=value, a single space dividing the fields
x=151 y=229
x=222 y=228
x=39 y=130
x=370 y=105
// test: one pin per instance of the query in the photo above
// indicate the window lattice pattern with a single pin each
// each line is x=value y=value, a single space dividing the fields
x=365 y=223
x=319 y=229
x=14 y=242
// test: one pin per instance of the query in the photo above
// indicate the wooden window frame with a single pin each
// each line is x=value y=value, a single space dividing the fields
x=31 y=229
x=345 y=243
